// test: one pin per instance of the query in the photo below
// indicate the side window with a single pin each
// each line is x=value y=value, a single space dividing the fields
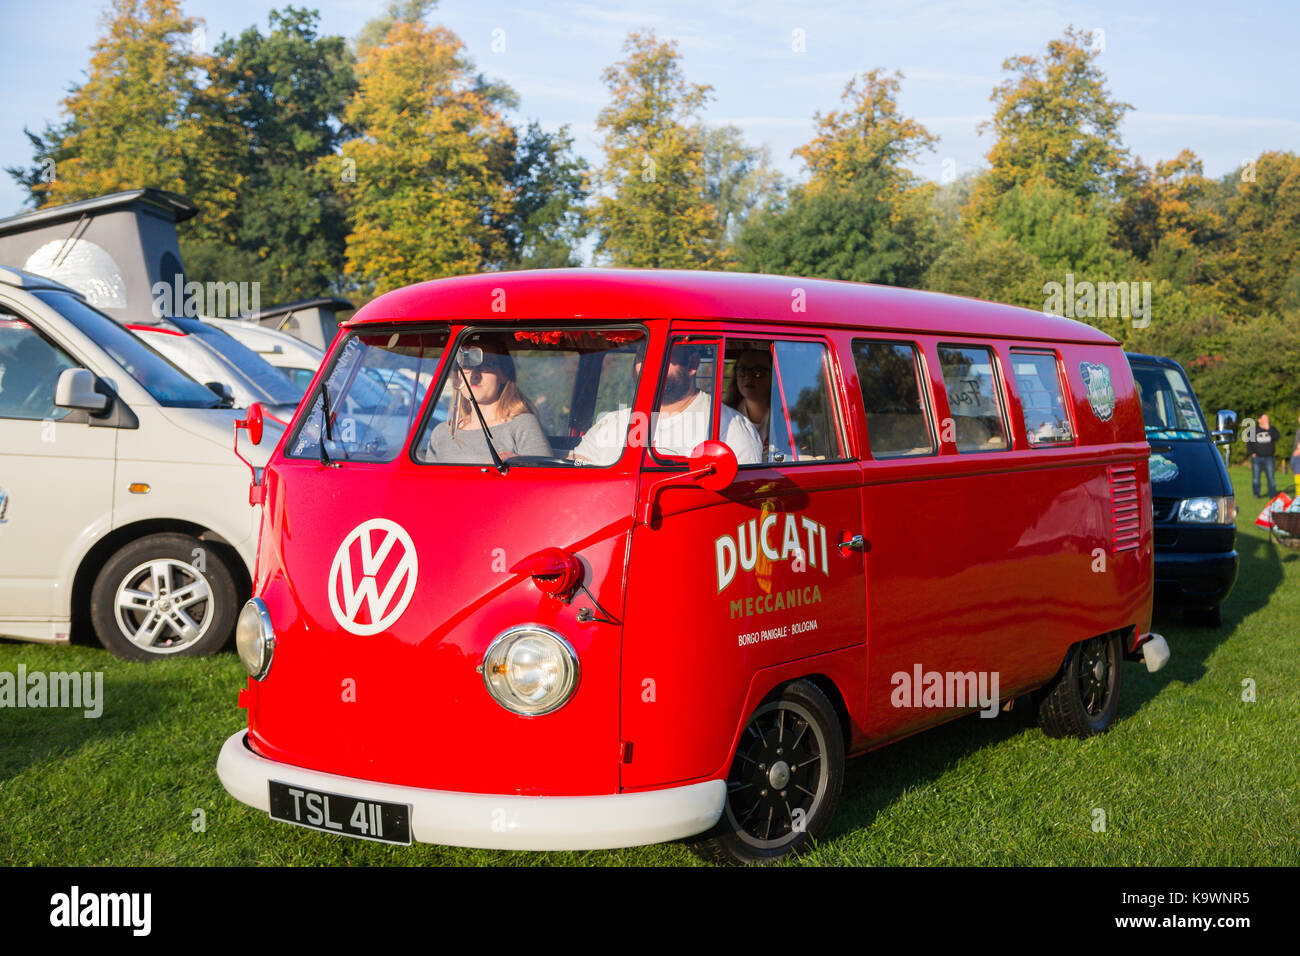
x=29 y=369
x=683 y=412
x=782 y=390
x=970 y=377
x=898 y=418
x=1039 y=386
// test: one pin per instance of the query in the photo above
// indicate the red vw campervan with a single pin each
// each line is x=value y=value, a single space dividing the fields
x=598 y=558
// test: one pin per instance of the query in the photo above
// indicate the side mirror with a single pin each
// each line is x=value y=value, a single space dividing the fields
x=253 y=422
x=1227 y=424
x=76 y=389
x=222 y=391
x=713 y=465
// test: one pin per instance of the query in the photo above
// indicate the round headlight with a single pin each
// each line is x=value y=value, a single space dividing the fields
x=530 y=670
x=255 y=638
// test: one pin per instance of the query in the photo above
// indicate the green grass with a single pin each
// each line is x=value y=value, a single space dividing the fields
x=1189 y=775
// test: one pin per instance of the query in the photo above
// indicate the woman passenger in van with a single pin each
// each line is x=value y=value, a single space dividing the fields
x=750 y=392
x=511 y=422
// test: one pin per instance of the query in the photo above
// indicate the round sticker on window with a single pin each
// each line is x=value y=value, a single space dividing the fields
x=1101 y=393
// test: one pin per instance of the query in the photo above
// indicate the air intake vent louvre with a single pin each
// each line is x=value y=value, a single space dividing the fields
x=1124 y=520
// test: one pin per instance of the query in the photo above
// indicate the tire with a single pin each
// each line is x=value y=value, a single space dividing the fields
x=791 y=753
x=1204 y=616
x=1084 y=698
x=125 y=610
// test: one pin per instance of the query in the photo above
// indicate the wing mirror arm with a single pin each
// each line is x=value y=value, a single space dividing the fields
x=713 y=467
x=252 y=422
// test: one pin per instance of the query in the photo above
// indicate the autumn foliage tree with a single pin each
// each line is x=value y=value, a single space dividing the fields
x=653 y=210
x=153 y=111
x=428 y=177
x=1054 y=120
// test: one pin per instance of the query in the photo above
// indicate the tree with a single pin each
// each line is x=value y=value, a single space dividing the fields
x=871 y=137
x=1054 y=119
x=290 y=89
x=737 y=178
x=862 y=215
x=1260 y=267
x=152 y=112
x=654 y=209
x=549 y=183
x=428 y=177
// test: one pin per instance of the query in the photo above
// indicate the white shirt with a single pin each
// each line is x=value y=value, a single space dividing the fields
x=677 y=434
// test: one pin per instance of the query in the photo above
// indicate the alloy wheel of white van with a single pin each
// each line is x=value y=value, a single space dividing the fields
x=165 y=595
x=164 y=606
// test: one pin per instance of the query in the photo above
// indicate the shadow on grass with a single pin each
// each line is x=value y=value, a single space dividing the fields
x=33 y=735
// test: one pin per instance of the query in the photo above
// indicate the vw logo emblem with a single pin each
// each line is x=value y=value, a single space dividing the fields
x=374 y=571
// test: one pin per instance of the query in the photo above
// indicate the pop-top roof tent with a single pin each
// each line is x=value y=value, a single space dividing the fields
x=112 y=249
x=312 y=320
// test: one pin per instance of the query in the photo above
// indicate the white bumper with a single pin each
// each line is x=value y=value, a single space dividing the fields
x=493 y=821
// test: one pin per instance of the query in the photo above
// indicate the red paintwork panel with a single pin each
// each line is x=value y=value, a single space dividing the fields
x=974 y=561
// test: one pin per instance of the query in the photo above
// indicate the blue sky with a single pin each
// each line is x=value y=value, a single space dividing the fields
x=1220 y=80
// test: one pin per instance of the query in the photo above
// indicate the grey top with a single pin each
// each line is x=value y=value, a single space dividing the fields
x=522 y=435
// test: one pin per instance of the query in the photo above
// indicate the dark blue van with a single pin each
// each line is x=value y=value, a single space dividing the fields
x=1192 y=497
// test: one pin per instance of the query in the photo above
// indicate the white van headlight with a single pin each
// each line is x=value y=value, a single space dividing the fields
x=1206 y=510
x=530 y=670
x=255 y=638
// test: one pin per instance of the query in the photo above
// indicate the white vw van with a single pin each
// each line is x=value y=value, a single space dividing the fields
x=122 y=506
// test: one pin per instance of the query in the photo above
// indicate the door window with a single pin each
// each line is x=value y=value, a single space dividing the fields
x=29 y=370
x=783 y=390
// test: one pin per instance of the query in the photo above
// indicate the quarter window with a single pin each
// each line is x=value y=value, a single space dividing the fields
x=898 y=419
x=1039 y=387
x=970 y=377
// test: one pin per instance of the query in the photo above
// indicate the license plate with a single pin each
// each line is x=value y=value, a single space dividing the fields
x=337 y=813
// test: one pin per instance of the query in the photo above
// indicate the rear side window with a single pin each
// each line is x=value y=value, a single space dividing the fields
x=970 y=377
x=898 y=421
x=1039 y=386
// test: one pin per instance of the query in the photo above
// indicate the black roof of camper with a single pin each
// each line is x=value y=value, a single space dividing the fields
x=171 y=205
x=333 y=303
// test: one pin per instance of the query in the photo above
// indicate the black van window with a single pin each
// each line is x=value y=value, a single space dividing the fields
x=898 y=419
x=1169 y=407
x=1039 y=387
x=970 y=377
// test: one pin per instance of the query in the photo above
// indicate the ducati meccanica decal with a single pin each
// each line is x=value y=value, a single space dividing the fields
x=373 y=577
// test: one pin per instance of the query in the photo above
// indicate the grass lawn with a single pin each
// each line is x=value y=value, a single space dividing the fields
x=1190 y=774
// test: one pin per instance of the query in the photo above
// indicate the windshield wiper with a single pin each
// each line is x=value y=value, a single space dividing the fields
x=487 y=435
x=326 y=431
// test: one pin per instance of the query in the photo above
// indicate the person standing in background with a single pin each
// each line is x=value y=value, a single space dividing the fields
x=1262 y=450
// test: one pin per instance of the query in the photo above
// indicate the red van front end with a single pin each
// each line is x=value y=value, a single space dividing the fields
x=395 y=592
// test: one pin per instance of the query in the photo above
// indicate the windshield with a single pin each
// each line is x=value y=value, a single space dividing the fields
x=549 y=398
x=374 y=391
x=1169 y=408
x=168 y=385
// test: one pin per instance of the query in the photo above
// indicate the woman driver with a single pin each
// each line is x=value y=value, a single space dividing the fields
x=514 y=428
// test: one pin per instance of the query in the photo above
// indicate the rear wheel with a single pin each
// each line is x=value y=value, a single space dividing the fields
x=785 y=780
x=163 y=595
x=1084 y=698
